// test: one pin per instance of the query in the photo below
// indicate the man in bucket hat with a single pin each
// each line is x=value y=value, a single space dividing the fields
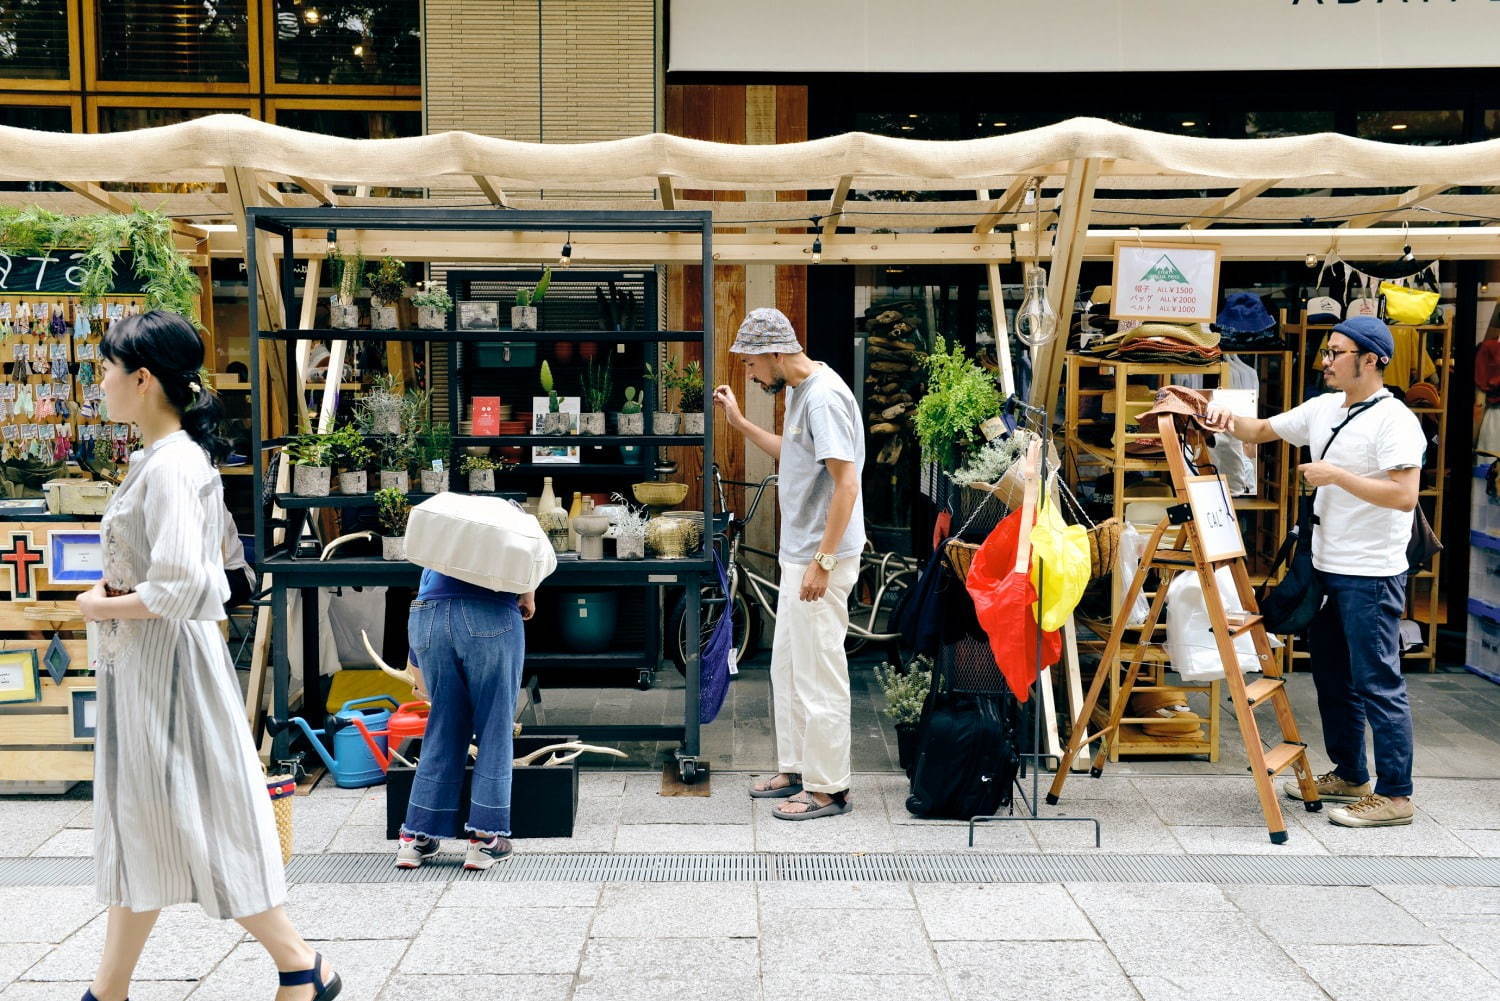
x=819 y=455
x=1368 y=476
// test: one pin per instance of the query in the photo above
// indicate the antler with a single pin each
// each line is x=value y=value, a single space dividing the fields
x=572 y=745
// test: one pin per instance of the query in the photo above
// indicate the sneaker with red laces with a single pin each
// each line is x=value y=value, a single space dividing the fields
x=414 y=850
x=484 y=853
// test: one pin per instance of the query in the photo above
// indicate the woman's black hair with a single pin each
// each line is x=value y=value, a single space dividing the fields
x=168 y=346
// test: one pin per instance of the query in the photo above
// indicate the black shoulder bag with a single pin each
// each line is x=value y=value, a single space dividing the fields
x=1289 y=607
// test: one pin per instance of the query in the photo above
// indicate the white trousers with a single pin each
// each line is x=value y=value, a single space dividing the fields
x=810 y=678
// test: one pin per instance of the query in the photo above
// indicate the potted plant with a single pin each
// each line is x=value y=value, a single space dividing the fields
x=344 y=275
x=380 y=410
x=960 y=397
x=905 y=694
x=353 y=456
x=312 y=470
x=387 y=284
x=395 y=454
x=392 y=509
x=481 y=470
x=554 y=421
x=433 y=306
x=630 y=420
x=663 y=421
x=630 y=530
x=689 y=383
x=598 y=386
x=523 y=315
x=434 y=451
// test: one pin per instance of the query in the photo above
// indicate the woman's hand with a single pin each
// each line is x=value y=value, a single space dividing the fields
x=90 y=603
x=527 y=604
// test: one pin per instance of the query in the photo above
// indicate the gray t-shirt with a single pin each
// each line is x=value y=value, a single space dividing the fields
x=822 y=422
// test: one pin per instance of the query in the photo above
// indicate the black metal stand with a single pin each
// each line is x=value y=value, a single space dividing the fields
x=1034 y=419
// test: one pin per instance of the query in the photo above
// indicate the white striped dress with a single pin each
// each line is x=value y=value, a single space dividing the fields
x=181 y=812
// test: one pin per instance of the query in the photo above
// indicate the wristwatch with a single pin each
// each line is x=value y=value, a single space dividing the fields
x=826 y=561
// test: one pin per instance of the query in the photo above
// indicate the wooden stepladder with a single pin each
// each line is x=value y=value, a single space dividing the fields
x=1204 y=536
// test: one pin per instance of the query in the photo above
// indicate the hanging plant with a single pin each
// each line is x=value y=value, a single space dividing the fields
x=960 y=396
x=168 y=280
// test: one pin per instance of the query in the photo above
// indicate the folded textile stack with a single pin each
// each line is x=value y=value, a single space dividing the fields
x=1169 y=343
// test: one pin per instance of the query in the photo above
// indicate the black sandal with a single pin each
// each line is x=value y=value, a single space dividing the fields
x=88 y=995
x=325 y=992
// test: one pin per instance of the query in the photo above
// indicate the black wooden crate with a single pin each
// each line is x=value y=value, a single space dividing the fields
x=543 y=800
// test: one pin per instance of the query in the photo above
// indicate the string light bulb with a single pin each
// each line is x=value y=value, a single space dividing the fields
x=817 y=250
x=566 y=257
x=1036 y=320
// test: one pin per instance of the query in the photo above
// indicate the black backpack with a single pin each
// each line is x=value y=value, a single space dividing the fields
x=966 y=757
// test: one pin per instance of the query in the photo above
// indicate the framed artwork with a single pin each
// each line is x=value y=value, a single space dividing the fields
x=478 y=315
x=20 y=676
x=85 y=710
x=77 y=557
x=1170 y=282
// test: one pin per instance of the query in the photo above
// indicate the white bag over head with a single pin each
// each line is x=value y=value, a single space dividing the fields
x=487 y=541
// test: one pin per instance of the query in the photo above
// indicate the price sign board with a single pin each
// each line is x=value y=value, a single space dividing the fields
x=1165 y=282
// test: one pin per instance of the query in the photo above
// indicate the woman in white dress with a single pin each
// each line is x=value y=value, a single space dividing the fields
x=181 y=812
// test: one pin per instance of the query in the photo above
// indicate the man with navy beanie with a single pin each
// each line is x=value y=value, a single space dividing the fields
x=1369 y=449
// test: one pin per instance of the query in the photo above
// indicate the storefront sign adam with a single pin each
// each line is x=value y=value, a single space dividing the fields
x=56 y=272
x=1174 y=282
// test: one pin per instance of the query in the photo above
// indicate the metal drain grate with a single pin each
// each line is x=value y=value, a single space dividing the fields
x=875 y=867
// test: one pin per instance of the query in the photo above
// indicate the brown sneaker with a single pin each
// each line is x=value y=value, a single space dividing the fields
x=1332 y=788
x=1372 y=811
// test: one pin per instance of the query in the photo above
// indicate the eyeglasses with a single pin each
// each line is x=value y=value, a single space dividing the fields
x=1329 y=354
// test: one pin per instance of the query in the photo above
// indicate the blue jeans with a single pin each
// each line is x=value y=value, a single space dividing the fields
x=471 y=652
x=1356 y=665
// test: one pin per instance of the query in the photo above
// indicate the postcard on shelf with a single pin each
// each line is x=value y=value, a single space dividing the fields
x=485 y=413
x=477 y=315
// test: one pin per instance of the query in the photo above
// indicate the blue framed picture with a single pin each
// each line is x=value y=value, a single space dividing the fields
x=85 y=712
x=77 y=557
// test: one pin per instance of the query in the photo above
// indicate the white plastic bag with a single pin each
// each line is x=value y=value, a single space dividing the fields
x=1131 y=548
x=351 y=611
x=1190 y=640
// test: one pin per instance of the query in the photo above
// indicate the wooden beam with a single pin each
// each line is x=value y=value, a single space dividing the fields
x=492 y=190
x=1000 y=330
x=1396 y=203
x=836 y=205
x=1230 y=202
x=1067 y=257
x=668 y=194
x=109 y=200
x=1004 y=204
x=322 y=192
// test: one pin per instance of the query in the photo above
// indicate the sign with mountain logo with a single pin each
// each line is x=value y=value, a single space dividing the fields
x=1171 y=282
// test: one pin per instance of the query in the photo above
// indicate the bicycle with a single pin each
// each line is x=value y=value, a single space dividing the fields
x=884 y=580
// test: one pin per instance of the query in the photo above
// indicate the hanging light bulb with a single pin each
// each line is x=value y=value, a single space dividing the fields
x=566 y=257
x=1036 y=320
x=817 y=250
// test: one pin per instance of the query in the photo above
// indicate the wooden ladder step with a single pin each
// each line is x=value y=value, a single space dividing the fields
x=1174 y=558
x=1241 y=626
x=1281 y=757
x=1262 y=689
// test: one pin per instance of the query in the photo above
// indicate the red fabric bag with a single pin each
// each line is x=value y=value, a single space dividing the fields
x=1004 y=603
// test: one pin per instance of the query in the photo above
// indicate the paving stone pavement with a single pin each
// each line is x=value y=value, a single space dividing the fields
x=581 y=941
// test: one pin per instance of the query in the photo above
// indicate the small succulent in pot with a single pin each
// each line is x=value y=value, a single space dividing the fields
x=345 y=274
x=481 y=472
x=395 y=455
x=387 y=284
x=523 y=315
x=663 y=421
x=352 y=454
x=630 y=420
x=554 y=421
x=435 y=455
x=311 y=456
x=598 y=387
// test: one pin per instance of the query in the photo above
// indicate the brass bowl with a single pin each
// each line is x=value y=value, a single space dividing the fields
x=656 y=494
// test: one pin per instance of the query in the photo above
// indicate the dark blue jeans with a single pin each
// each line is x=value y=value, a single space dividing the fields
x=1356 y=664
x=470 y=652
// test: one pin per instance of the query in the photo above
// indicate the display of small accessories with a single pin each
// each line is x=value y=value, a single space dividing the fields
x=51 y=401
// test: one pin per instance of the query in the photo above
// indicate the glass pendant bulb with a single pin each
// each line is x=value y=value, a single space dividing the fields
x=1036 y=321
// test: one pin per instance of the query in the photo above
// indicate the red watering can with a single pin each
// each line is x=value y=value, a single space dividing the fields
x=409 y=720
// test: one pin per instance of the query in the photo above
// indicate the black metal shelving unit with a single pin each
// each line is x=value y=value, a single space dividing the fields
x=290 y=572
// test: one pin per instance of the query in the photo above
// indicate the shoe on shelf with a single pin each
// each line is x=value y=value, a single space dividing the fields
x=415 y=850
x=483 y=854
x=1332 y=788
x=1373 y=811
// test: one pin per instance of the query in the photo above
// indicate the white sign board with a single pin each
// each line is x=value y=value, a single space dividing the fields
x=1077 y=36
x=1213 y=516
x=1171 y=282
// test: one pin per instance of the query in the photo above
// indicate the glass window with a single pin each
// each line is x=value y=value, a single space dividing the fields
x=1273 y=124
x=34 y=39
x=374 y=42
x=910 y=124
x=128 y=119
x=202 y=41
x=1413 y=128
x=50 y=118
x=350 y=123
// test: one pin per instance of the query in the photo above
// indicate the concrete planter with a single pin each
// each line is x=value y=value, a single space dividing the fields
x=312 y=481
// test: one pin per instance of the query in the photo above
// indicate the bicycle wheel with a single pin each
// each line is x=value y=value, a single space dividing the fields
x=860 y=599
x=711 y=606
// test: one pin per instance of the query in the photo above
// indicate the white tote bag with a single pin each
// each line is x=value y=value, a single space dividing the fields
x=487 y=541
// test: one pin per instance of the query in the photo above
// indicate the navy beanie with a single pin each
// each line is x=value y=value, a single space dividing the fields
x=1369 y=334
